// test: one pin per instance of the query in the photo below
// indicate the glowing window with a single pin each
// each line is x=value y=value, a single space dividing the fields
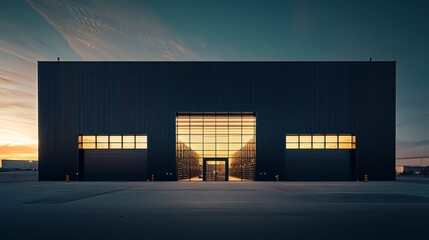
x=215 y=135
x=141 y=145
x=305 y=141
x=291 y=145
x=115 y=145
x=128 y=139
x=88 y=146
x=331 y=145
x=320 y=141
x=112 y=141
x=345 y=138
x=291 y=138
x=89 y=138
x=292 y=141
x=141 y=139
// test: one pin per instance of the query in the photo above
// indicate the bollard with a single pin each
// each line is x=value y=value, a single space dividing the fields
x=366 y=178
x=67 y=178
x=277 y=178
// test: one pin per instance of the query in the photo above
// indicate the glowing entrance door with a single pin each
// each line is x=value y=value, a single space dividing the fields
x=215 y=169
x=216 y=136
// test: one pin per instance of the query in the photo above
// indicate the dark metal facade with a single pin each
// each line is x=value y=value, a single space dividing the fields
x=287 y=97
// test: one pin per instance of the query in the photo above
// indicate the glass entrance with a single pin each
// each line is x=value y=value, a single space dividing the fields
x=215 y=169
x=230 y=136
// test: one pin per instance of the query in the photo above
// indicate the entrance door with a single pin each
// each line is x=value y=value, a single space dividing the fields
x=215 y=169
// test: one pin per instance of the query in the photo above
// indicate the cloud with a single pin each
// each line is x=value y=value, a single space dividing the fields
x=24 y=152
x=18 y=112
x=422 y=119
x=401 y=144
x=114 y=31
x=412 y=148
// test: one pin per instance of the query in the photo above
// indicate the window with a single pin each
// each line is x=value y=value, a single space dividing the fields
x=305 y=141
x=320 y=141
x=202 y=135
x=104 y=141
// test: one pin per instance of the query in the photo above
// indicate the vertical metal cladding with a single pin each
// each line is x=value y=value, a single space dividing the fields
x=288 y=98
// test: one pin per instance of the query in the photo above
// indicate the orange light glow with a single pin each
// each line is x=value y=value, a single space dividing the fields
x=215 y=135
x=320 y=141
x=19 y=152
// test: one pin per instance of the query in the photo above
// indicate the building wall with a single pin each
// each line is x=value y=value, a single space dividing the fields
x=287 y=97
x=114 y=165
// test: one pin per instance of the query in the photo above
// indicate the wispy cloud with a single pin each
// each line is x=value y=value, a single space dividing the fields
x=18 y=108
x=412 y=144
x=422 y=119
x=413 y=148
x=113 y=31
x=27 y=152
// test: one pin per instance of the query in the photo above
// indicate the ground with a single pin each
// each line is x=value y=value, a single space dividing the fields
x=212 y=210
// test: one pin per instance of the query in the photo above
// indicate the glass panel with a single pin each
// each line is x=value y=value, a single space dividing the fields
x=331 y=138
x=209 y=138
x=209 y=130
x=141 y=139
x=88 y=138
x=103 y=138
x=345 y=138
x=128 y=145
x=88 y=145
x=305 y=138
x=196 y=130
x=197 y=138
x=222 y=147
x=291 y=138
x=196 y=146
x=128 y=139
x=331 y=145
x=183 y=138
x=115 y=145
x=318 y=145
x=354 y=139
x=183 y=130
x=345 y=146
x=79 y=139
x=304 y=145
x=116 y=138
x=248 y=130
x=209 y=153
x=235 y=146
x=247 y=138
x=196 y=119
x=221 y=153
x=141 y=145
x=102 y=145
x=209 y=146
x=235 y=138
x=319 y=138
x=234 y=130
x=222 y=138
x=291 y=145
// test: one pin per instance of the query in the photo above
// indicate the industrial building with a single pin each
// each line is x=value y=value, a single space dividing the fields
x=216 y=121
x=9 y=164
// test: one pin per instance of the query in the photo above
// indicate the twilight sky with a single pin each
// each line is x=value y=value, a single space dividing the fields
x=201 y=30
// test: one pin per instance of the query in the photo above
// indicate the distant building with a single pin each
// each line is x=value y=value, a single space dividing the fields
x=20 y=164
x=217 y=121
x=415 y=170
